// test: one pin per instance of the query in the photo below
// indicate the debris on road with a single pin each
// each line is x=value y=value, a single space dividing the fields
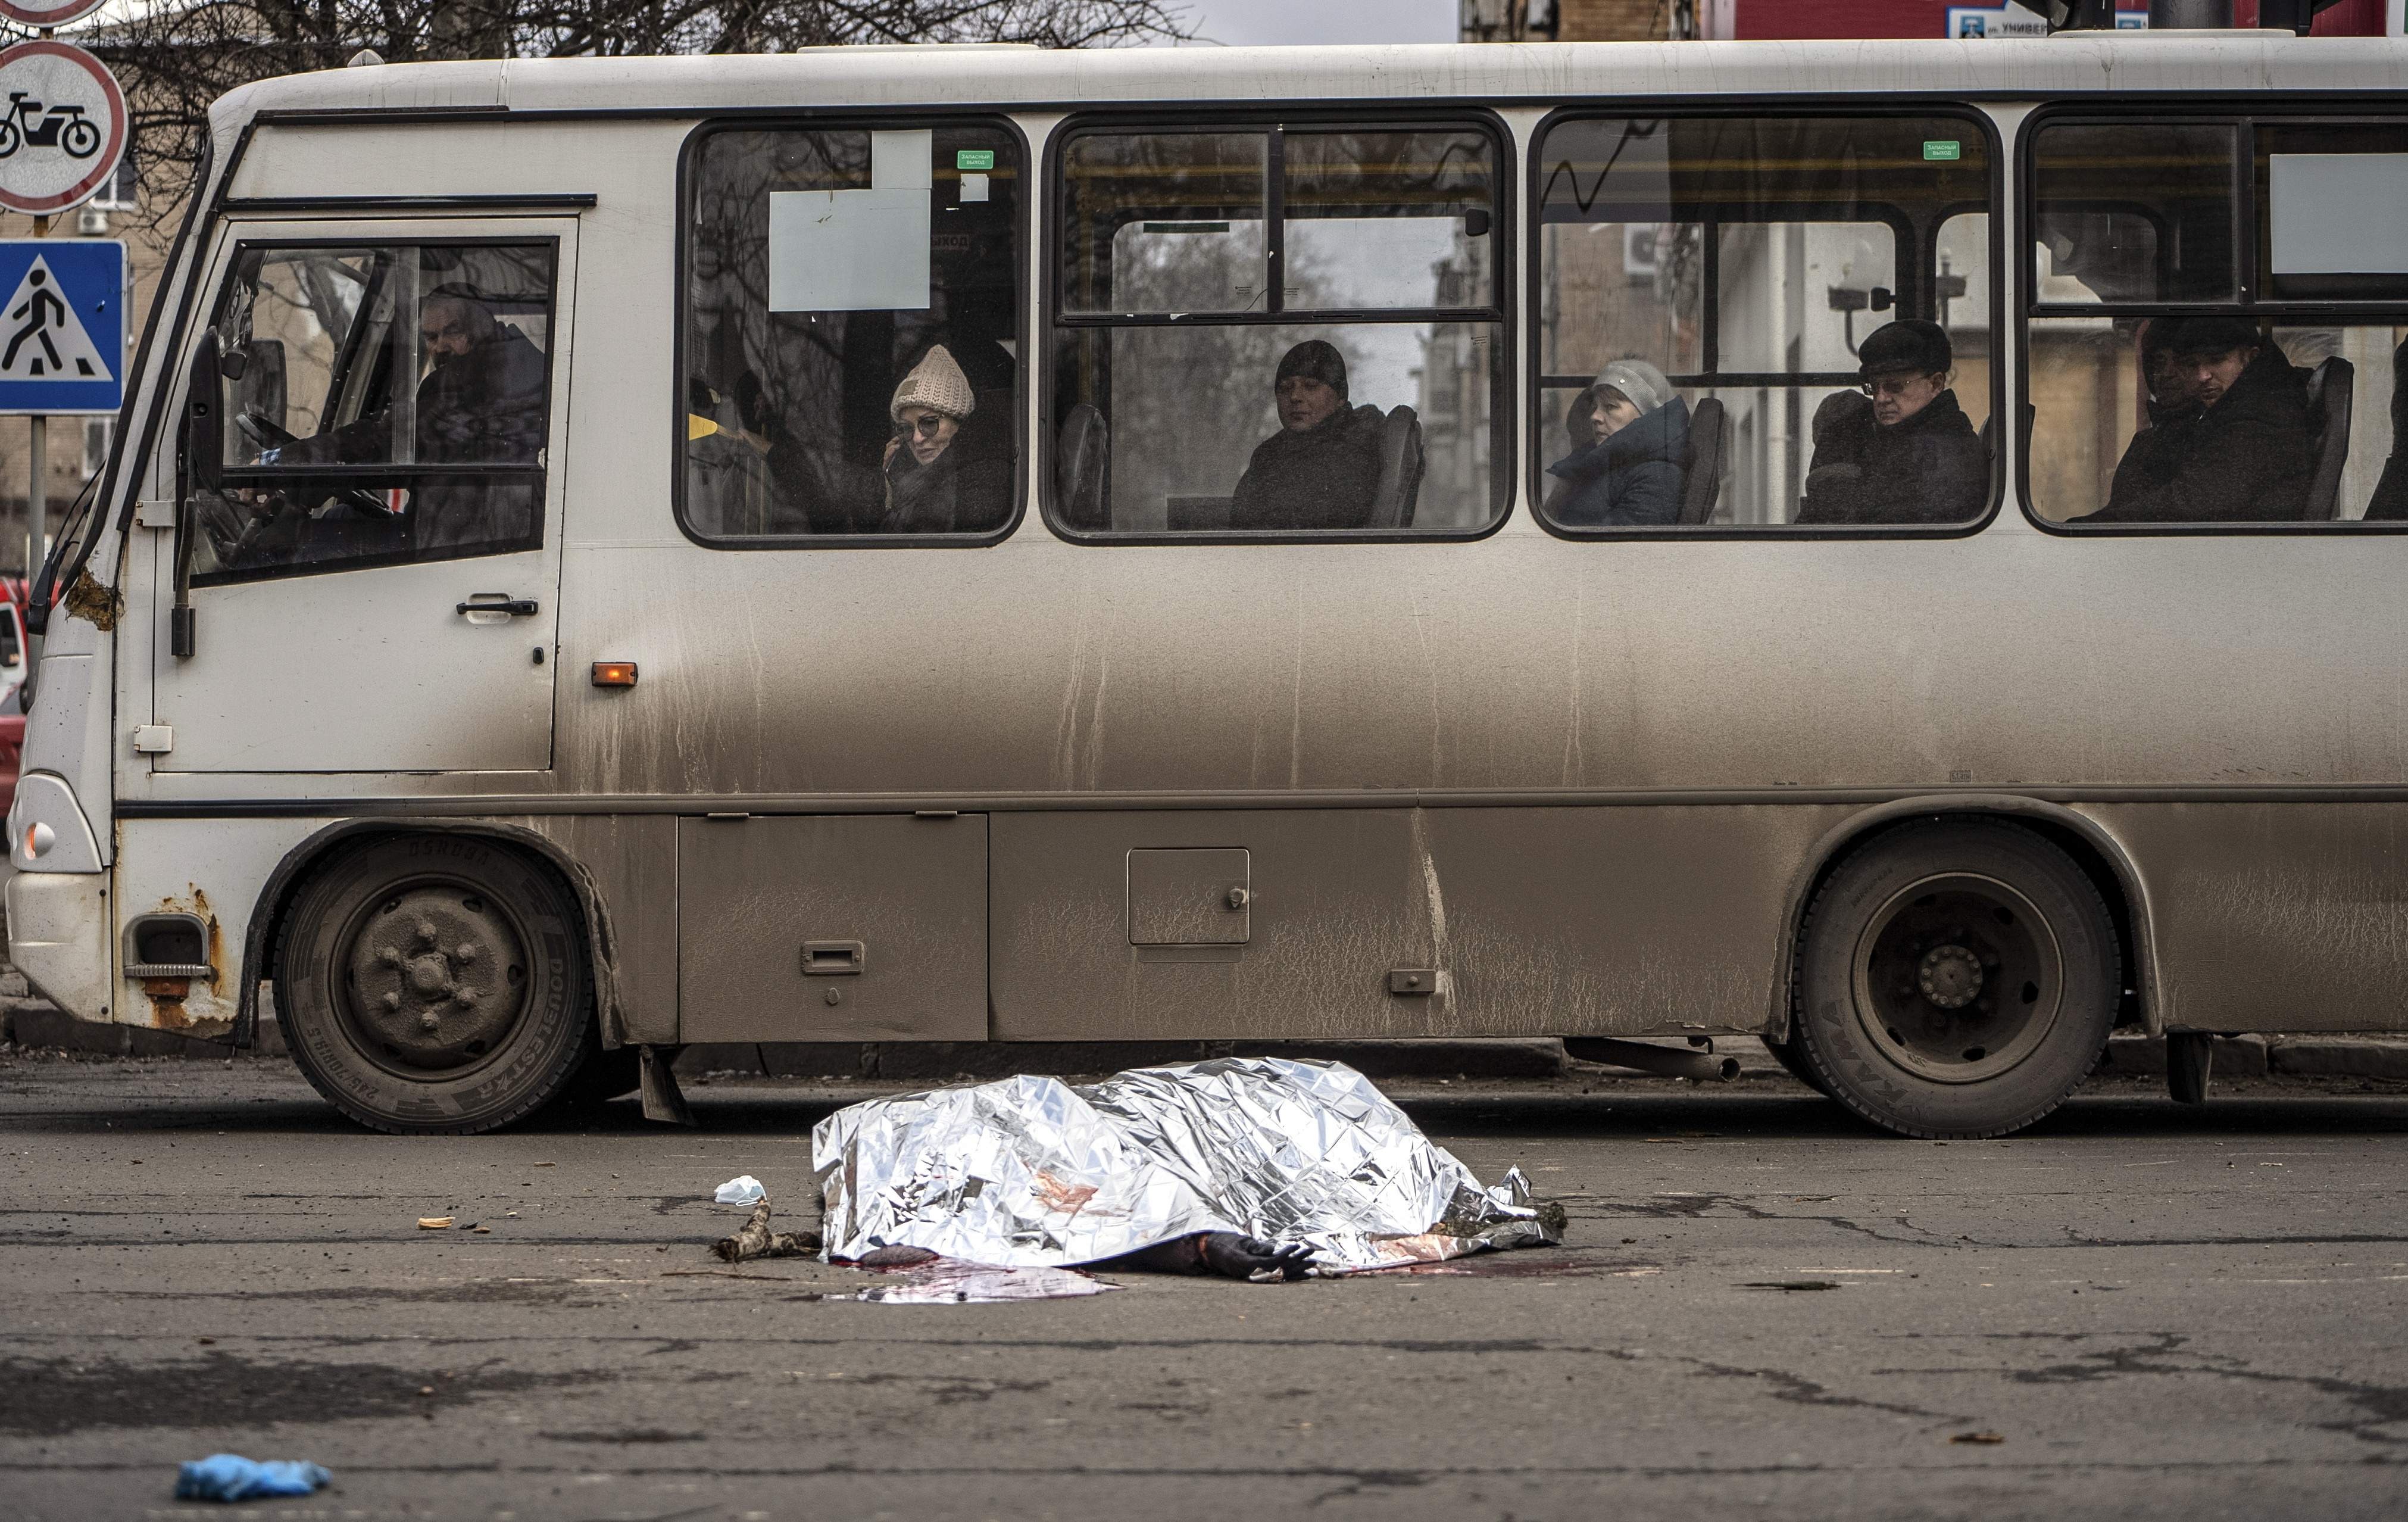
x=757 y=1240
x=743 y=1190
x=1978 y=1437
x=233 y=1477
x=434 y=1222
x=1032 y=1172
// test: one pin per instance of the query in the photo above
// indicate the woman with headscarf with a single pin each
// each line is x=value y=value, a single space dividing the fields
x=1632 y=475
x=1322 y=469
x=943 y=478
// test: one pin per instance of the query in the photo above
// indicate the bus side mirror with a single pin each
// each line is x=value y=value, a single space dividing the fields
x=203 y=438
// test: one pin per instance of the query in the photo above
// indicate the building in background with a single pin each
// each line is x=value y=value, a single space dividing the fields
x=1753 y=20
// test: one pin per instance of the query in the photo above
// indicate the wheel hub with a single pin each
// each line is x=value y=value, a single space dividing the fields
x=1958 y=978
x=1950 y=976
x=435 y=977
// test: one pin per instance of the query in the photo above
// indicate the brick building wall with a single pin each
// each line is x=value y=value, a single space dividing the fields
x=1612 y=20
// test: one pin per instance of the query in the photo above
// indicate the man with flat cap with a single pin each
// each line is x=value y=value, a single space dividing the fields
x=1322 y=469
x=1901 y=450
x=2237 y=448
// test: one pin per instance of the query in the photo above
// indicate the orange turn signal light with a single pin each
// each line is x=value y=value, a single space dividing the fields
x=614 y=673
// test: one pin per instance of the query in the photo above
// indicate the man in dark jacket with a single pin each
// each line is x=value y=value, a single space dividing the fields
x=2237 y=448
x=1906 y=455
x=1322 y=469
x=482 y=402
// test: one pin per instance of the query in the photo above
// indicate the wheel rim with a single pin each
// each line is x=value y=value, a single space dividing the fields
x=1958 y=978
x=432 y=979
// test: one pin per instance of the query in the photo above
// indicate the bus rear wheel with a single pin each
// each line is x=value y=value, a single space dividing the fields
x=1955 y=979
x=435 y=985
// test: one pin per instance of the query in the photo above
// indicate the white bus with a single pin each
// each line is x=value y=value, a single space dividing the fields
x=1890 y=547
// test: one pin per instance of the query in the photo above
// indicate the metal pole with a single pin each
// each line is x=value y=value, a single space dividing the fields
x=37 y=504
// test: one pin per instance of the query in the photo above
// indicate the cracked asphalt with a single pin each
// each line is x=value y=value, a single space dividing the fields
x=1761 y=1310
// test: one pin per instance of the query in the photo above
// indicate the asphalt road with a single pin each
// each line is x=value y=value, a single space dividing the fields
x=1762 y=1311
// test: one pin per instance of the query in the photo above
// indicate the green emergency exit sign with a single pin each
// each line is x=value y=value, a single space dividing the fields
x=974 y=158
x=1942 y=151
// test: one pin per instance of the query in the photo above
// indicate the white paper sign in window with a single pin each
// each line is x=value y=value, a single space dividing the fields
x=858 y=249
x=2338 y=213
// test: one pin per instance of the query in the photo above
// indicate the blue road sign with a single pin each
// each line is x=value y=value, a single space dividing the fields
x=61 y=325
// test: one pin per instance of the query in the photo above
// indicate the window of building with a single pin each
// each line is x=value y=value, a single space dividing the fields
x=1277 y=329
x=376 y=403
x=2217 y=311
x=123 y=186
x=851 y=342
x=1762 y=322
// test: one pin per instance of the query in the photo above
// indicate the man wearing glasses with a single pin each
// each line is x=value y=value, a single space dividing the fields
x=1901 y=450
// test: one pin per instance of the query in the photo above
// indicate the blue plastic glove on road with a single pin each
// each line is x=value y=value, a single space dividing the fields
x=233 y=1477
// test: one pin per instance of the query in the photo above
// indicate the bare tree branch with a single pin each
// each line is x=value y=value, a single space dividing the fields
x=177 y=57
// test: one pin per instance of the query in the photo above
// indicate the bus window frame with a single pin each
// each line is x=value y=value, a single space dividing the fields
x=851 y=119
x=1367 y=116
x=1843 y=107
x=2188 y=109
x=213 y=304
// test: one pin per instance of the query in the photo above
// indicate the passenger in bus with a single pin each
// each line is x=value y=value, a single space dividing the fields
x=1322 y=469
x=1903 y=452
x=2237 y=448
x=1632 y=473
x=944 y=475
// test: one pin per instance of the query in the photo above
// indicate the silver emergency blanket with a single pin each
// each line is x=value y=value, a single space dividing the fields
x=1033 y=1171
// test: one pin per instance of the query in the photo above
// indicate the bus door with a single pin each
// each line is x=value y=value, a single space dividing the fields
x=364 y=573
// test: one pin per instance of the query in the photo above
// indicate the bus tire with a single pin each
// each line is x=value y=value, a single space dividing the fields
x=1786 y=1052
x=1953 y=979
x=434 y=983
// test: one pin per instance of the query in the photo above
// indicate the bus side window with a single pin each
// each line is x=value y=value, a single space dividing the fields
x=1762 y=322
x=376 y=404
x=1277 y=329
x=850 y=342
x=2264 y=399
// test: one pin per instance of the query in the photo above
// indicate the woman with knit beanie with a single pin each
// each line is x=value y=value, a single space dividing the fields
x=940 y=479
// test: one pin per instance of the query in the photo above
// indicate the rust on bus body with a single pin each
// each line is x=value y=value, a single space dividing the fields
x=171 y=1000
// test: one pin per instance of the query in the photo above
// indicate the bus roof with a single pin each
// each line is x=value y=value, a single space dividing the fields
x=1030 y=78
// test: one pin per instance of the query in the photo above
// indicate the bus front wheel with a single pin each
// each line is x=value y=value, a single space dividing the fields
x=1954 y=979
x=434 y=983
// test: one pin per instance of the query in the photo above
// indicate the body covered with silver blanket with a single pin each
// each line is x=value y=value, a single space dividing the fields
x=1032 y=1170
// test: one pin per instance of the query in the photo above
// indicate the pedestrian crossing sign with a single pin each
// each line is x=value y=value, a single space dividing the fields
x=61 y=325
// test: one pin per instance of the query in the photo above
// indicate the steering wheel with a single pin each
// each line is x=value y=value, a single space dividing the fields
x=264 y=435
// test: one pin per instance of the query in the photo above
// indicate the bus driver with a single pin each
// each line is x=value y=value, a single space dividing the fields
x=482 y=402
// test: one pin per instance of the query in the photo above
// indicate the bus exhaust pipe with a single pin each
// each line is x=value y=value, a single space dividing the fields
x=1669 y=1061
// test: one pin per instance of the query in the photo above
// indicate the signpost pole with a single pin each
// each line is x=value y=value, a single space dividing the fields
x=37 y=506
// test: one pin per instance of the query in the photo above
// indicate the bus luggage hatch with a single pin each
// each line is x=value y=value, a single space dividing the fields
x=822 y=928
